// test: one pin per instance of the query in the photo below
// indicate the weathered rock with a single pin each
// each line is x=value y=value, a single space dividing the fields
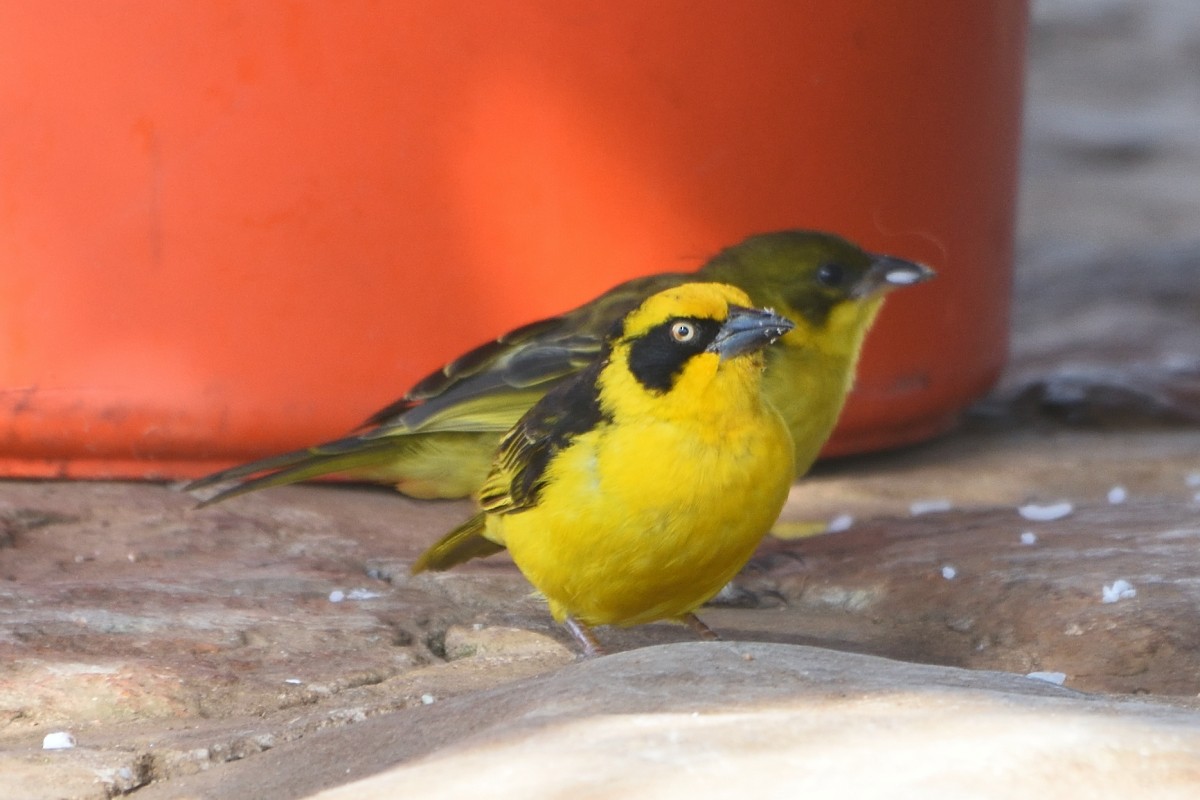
x=719 y=720
x=78 y=774
x=502 y=644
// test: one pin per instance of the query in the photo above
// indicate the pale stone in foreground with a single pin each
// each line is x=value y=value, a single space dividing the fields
x=761 y=720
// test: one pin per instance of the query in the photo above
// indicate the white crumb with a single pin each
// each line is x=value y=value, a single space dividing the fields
x=428 y=699
x=293 y=681
x=1057 y=678
x=1028 y=537
x=1117 y=495
x=1045 y=513
x=59 y=740
x=337 y=595
x=841 y=522
x=919 y=507
x=949 y=572
x=1119 y=590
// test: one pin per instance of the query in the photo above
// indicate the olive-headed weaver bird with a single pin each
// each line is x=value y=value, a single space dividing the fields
x=437 y=441
x=636 y=489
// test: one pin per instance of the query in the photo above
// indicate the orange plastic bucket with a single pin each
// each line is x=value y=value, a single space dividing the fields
x=234 y=228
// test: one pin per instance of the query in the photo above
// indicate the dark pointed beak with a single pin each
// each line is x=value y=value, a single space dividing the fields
x=889 y=272
x=748 y=329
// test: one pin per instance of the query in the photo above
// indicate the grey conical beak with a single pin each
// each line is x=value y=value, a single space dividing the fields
x=887 y=273
x=748 y=329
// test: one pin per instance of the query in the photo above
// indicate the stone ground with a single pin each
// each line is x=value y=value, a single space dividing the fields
x=201 y=653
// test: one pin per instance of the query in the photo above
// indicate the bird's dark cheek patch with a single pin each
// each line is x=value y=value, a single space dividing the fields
x=656 y=359
x=656 y=363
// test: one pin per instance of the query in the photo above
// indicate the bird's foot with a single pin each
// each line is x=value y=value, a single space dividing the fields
x=586 y=638
x=702 y=630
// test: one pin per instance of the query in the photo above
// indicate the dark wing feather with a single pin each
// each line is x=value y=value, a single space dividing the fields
x=469 y=365
x=568 y=410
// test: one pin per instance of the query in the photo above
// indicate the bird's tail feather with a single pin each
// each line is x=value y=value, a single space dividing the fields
x=344 y=455
x=461 y=544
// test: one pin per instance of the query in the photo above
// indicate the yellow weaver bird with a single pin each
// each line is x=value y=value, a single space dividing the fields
x=635 y=490
x=438 y=440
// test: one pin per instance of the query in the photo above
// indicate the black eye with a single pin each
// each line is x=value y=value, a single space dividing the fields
x=683 y=331
x=830 y=274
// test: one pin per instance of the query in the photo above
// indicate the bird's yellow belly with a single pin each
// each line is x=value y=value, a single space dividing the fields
x=647 y=522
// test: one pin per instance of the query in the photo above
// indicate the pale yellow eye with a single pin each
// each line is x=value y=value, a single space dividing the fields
x=683 y=331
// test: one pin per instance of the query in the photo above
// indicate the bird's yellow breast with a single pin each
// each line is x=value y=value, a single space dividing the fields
x=811 y=373
x=649 y=518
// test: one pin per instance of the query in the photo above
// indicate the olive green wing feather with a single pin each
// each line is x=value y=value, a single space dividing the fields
x=525 y=357
x=490 y=387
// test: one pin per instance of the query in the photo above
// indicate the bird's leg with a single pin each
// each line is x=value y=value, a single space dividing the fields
x=583 y=634
x=702 y=630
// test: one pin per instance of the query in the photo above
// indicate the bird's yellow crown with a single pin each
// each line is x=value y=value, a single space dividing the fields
x=697 y=300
